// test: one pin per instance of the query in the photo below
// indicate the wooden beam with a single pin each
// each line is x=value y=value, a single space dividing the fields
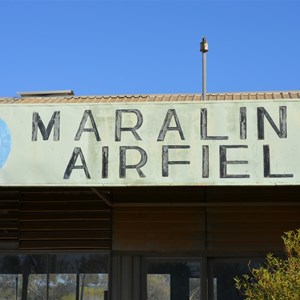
x=205 y=204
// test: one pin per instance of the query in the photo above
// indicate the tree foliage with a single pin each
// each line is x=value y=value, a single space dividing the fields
x=279 y=278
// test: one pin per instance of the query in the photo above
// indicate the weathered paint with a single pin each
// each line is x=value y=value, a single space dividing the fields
x=116 y=144
x=5 y=143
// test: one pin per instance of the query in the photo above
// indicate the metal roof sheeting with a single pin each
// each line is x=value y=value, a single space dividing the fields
x=154 y=98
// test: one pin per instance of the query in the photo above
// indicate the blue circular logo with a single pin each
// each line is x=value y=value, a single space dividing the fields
x=5 y=143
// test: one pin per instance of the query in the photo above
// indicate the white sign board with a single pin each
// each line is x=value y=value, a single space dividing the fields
x=117 y=144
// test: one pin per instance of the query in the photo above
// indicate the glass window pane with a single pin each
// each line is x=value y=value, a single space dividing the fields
x=195 y=289
x=222 y=286
x=158 y=287
x=78 y=263
x=62 y=286
x=85 y=274
x=88 y=271
x=33 y=264
x=180 y=278
x=10 y=286
x=93 y=286
x=10 y=264
x=19 y=268
x=37 y=287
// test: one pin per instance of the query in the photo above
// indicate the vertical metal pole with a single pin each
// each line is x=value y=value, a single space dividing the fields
x=48 y=277
x=77 y=286
x=47 y=290
x=105 y=295
x=82 y=286
x=17 y=286
x=204 y=49
x=215 y=289
x=203 y=75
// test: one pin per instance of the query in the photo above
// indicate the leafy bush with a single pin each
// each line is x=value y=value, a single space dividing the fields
x=279 y=279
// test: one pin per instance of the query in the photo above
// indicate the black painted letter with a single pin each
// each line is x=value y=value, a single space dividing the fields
x=166 y=125
x=205 y=161
x=118 y=124
x=105 y=152
x=203 y=128
x=243 y=123
x=38 y=123
x=281 y=132
x=71 y=165
x=224 y=162
x=267 y=168
x=87 y=114
x=138 y=166
x=165 y=159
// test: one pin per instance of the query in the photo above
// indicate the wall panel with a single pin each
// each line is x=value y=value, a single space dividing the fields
x=58 y=218
x=254 y=222
x=159 y=228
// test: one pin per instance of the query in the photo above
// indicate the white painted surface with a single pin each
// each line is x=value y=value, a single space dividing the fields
x=44 y=162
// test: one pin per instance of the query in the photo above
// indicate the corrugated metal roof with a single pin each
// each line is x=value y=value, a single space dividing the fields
x=155 y=98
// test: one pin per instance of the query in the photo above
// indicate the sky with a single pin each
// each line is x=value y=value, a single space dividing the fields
x=148 y=46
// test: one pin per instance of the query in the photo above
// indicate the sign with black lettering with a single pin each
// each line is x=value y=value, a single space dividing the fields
x=117 y=144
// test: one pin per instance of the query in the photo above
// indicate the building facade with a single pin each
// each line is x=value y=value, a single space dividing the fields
x=158 y=197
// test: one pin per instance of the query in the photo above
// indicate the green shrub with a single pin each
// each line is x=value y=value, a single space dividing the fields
x=279 y=279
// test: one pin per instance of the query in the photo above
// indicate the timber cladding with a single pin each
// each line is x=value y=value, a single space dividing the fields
x=222 y=220
x=251 y=219
x=158 y=228
x=198 y=229
x=38 y=219
x=225 y=220
x=249 y=229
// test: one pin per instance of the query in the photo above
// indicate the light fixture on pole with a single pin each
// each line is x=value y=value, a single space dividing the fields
x=204 y=49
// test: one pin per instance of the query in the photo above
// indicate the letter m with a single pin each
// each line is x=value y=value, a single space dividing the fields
x=37 y=123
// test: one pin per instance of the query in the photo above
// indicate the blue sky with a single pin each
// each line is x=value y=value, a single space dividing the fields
x=148 y=47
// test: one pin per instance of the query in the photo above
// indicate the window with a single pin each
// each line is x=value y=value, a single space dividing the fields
x=222 y=273
x=174 y=279
x=53 y=276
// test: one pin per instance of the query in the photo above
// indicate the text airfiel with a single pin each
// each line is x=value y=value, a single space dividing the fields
x=172 y=144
